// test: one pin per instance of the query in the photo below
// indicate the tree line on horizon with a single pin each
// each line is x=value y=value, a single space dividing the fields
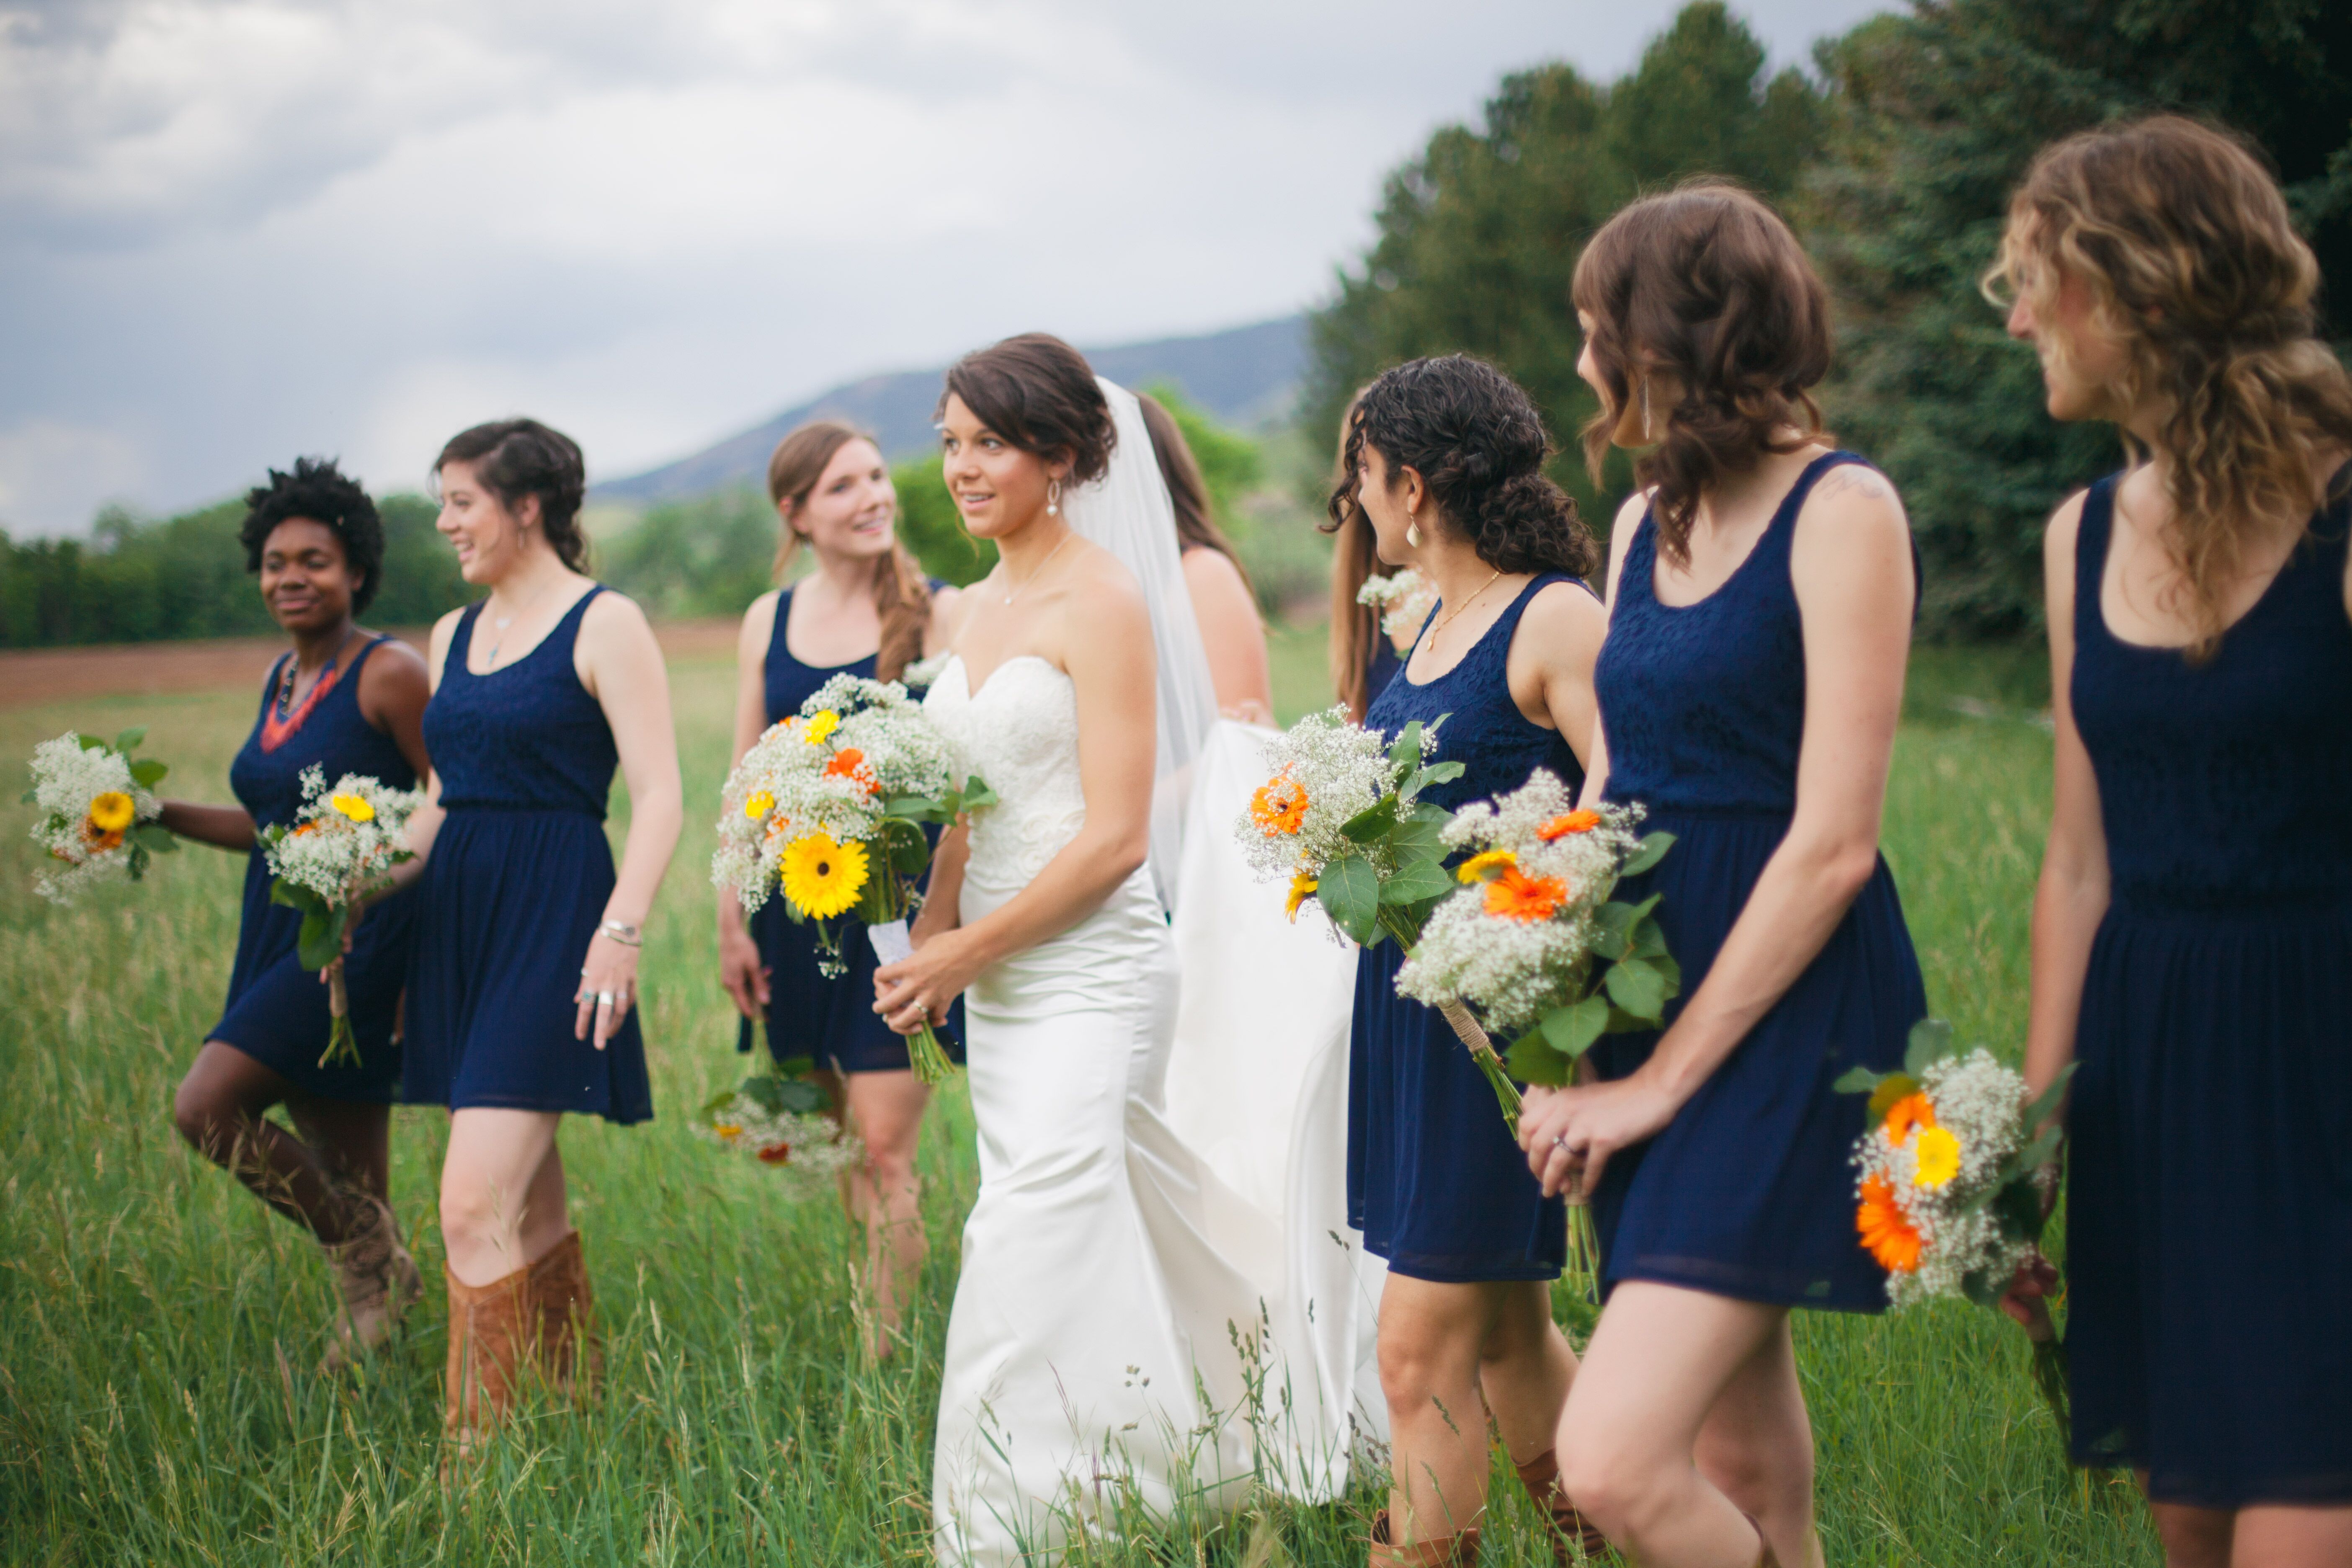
x=1894 y=158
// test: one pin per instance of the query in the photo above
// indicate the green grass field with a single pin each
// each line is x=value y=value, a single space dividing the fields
x=158 y=1329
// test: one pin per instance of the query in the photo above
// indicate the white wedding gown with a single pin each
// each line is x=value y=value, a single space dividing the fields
x=1105 y=1355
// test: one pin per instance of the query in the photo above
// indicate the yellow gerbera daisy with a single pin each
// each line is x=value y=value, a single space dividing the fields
x=1482 y=867
x=1939 y=1157
x=820 y=725
x=1301 y=885
x=820 y=877
x=111 y=811
x=354 y=806
x=758 y=804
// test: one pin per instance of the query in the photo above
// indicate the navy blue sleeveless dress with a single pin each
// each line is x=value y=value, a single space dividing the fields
x=1749 y=1192
x=515 y=887
x=2209 y=1228
x=831 y=1021
x=1383 y=669
x=1436 y=1178
x=277 y=1010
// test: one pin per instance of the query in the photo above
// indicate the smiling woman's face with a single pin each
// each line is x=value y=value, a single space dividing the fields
x=306 y=578
x=849 y=509
x=998 y=487
x=489 y=538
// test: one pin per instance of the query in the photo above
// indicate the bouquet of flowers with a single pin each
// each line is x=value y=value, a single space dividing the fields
x=98 y=811
x=1404 y=599
x=780 y=1119
x=830 y=805
x=340 y=847
x=1953 y=1180
x=1533 y=941
x=1342 y=818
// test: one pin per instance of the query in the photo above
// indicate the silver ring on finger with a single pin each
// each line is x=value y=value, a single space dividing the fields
x=1560 y=1142
x=604 y=998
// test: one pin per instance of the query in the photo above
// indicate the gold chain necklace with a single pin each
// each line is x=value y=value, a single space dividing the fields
x=1473 y=599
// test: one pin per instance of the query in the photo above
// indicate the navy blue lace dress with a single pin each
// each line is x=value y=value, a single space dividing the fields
x=515 y=887
x=831 y=1021
x=2208 y=1210
x=277 y=1010
x=1436 y=1178
x=1749 y=1192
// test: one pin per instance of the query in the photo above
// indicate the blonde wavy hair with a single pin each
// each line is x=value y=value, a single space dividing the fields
x=2195 y=269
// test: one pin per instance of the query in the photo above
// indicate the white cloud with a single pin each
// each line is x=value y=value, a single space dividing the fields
x=231 y=230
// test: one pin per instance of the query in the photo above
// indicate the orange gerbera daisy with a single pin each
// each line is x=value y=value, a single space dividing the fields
x=1885 y=1229
x=849 y=762
x=1279 y=804
x=1574 y=822
x=776 y=1155
x=1907 y=1115
x=1515 y=895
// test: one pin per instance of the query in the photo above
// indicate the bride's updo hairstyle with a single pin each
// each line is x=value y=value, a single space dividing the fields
x=519 y=457
x=1706 y=285
x=1475 y=437
x=2194 y=268
x=1038 y=392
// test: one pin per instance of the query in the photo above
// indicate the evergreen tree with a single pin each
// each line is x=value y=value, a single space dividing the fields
x=1932 y=119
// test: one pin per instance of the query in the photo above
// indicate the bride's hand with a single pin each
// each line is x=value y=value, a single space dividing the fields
x=921 y=987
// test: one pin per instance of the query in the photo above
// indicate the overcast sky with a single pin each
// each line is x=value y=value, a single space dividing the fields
x=235 y=230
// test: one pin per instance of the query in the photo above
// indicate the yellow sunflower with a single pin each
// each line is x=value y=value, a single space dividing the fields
x=1486 y=867
x=819 y=725
x=354 y=806
x=111 y=811
x=1939 y=1157
x=820 y=877
x=758 y=804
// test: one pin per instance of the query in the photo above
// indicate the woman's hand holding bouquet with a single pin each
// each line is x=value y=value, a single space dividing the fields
x=99 y=811
x=340 y=850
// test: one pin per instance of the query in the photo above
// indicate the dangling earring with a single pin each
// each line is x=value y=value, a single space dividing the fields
x=1053 y=496
x=1645 y=409
x=1413 y=531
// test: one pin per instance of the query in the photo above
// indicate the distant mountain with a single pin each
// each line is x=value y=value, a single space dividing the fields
x=1244 y=376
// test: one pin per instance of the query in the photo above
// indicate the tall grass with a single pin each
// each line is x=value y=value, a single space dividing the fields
x=158 y=1330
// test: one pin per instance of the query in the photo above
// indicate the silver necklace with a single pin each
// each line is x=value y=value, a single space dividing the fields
x=502 y=622
x=1014 y=592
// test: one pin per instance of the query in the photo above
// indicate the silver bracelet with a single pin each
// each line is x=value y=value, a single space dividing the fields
x=623 y=933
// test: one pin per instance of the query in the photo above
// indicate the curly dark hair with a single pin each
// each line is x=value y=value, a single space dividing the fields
x=319 y=493
x=1708 y=284
x=1038 y=392
x=519 y=457
x=1475 y=437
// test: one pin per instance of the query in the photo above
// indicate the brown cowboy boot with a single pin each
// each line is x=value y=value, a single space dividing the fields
x=377 y=1279
x=1540 y=1476
x=491 y=1330
x=560 y=1302
x=1457 y=1551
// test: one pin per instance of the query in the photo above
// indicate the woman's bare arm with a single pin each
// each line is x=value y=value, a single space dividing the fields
x=741 y=972
x=1232 y=635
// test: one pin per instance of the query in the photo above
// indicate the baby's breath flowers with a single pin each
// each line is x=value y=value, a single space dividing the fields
x=1404 y=599
x=97 y=811
x=339 y=849
x=780 y=1119
x=1532 y=939
x=1953 y=1180
x=830 y=805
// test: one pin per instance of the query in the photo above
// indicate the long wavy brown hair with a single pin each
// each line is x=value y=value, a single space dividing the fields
x=2195 y=269
x=1355 y=560
x=902 y=594
x=1706 y=285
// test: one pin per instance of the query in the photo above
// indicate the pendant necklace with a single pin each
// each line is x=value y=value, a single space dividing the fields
x=1465 y=604
x=1033 y=576
x=501 y=624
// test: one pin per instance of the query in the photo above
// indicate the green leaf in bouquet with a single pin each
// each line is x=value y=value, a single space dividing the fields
x=718 y=1102
x=2017 y=1203
x=88 y=742
x=1647 y=854
x=1613 y=931
x=1668 y=971
x=1421 y=830
x=797 y=1067
x=1621 y=1022
x=1636 y=984
x=138 y=861
x=909 y=851
x=801 y=1096
x=2045 y=1105
x=149 y=771
x=282 y=891
x=915 y=807
x=976 y=793
x=1647 y=939
x=1436 y=773
x=1931 y=1042
x=1404 y=751
x=1983 y=1288
x=1349 y=890
x=1856 y=1080
x=765 y=1091
x=1419 y=880
x=320 y=940
x=155 y=836
x=129 y=740
x=1570 y=1030
x=1889 y=1088
x=1531 y=1060
x=1373 y=823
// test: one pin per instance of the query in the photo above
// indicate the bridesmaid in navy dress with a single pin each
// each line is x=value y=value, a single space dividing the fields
x=1444 y=462
x=1761 y=590
x=2192 y=941
x=867 y=610
x=521 y=1002
x=345 y=700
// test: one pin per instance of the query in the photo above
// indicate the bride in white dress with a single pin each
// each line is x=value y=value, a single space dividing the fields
x=1095 y=1365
